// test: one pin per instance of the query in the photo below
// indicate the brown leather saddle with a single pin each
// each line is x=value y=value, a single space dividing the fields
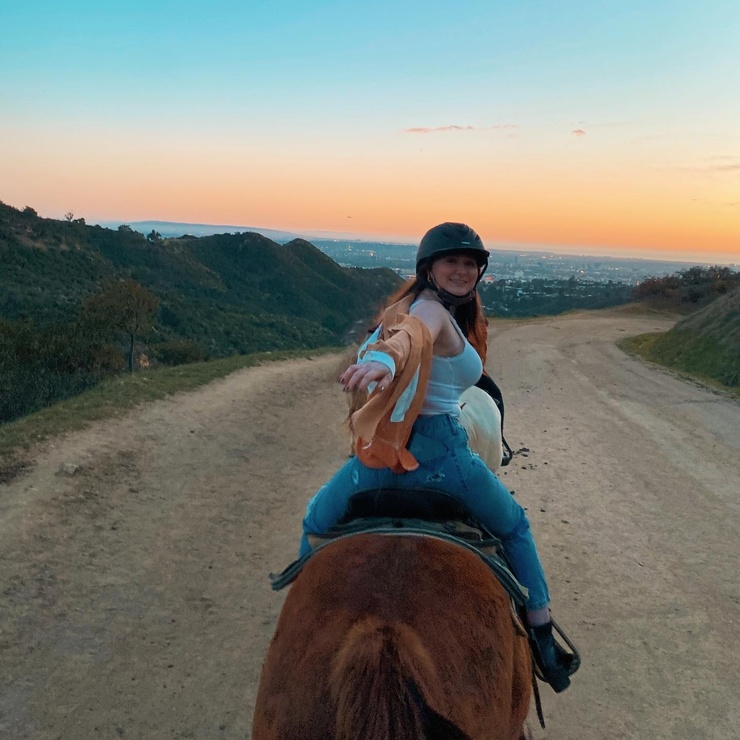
x=412 y=513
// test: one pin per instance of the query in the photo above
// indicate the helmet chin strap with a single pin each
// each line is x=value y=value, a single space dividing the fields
x=450 y=299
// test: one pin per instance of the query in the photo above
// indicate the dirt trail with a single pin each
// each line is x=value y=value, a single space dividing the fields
x=134 y=599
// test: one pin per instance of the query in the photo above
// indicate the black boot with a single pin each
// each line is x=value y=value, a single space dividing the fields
x=554 y=663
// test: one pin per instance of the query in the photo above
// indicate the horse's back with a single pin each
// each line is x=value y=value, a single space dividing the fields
x=427 y=611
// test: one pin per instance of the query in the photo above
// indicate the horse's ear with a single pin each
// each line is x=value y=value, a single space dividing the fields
x=440 y=728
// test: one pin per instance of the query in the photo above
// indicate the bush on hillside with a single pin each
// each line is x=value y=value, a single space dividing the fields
x=40 y=365
x=178 y=352
x=688 y=289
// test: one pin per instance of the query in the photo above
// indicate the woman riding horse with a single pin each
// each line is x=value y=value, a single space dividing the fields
x=429 y=346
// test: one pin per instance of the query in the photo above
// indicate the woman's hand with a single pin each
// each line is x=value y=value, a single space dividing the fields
x=359 y=376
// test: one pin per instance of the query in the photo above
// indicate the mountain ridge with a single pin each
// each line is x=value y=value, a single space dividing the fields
x=230 y=293
x=182 y=228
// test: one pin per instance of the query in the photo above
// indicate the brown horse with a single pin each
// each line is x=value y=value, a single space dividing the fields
x=402 y=637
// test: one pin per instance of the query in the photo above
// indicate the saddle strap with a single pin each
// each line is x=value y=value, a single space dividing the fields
x=537 y=698
x=515 y=589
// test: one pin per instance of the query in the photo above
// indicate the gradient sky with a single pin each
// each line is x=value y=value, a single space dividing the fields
x=590 y=127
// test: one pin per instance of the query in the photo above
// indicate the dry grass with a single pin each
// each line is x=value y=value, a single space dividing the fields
x=649 y=347
x=116 y=395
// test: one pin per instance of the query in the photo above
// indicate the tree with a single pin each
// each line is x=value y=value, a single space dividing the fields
x=154 y=237
x=68 y=216
x=572 y=284
x=121 y=306
x=694 y=276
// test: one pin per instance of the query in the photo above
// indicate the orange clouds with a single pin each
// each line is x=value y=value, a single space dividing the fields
x=454 y=128
x=423 y=130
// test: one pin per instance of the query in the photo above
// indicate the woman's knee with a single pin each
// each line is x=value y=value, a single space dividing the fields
x=329 y=503
x=516 y=530
x=310 y=518
x=503 y=514
x=326 y=506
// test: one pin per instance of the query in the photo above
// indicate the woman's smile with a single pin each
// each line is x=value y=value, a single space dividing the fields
x=455 y=273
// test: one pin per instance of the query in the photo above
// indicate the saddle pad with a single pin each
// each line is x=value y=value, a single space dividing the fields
x=485 y=551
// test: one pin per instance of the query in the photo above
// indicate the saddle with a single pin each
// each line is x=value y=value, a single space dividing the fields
x=412 y=513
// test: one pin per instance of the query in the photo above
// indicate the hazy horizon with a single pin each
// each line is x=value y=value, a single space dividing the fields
x=566 y=250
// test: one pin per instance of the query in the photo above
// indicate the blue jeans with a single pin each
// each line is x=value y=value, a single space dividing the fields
x=440 y=444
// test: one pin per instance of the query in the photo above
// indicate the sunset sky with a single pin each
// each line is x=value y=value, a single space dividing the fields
x=585 y=127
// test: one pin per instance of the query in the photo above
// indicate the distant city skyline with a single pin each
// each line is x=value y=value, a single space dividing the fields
x=510 y=264
x=597 y=128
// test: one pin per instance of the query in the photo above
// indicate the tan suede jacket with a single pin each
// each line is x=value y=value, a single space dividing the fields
x=381 y=432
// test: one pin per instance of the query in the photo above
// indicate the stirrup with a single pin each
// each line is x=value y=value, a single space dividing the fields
x=575 y=663
x=572 y=655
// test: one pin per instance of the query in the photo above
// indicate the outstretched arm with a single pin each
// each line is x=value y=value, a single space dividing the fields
x=358 y=377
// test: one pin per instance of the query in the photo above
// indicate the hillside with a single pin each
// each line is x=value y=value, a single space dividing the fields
x=228 y=292
x=706 y=343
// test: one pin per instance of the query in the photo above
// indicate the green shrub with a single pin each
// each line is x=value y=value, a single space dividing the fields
x=178 y=352
x=698 y=354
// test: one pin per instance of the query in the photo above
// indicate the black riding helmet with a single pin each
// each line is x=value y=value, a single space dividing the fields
x=444 y=239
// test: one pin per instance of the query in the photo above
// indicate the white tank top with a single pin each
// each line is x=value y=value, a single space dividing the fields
x=449 y=377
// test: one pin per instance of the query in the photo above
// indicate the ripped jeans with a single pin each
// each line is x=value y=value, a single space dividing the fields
x=440 y=444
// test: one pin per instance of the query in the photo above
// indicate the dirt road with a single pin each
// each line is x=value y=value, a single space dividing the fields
x=134 y=599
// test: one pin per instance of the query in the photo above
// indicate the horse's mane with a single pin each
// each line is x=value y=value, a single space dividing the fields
x=380 y=678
